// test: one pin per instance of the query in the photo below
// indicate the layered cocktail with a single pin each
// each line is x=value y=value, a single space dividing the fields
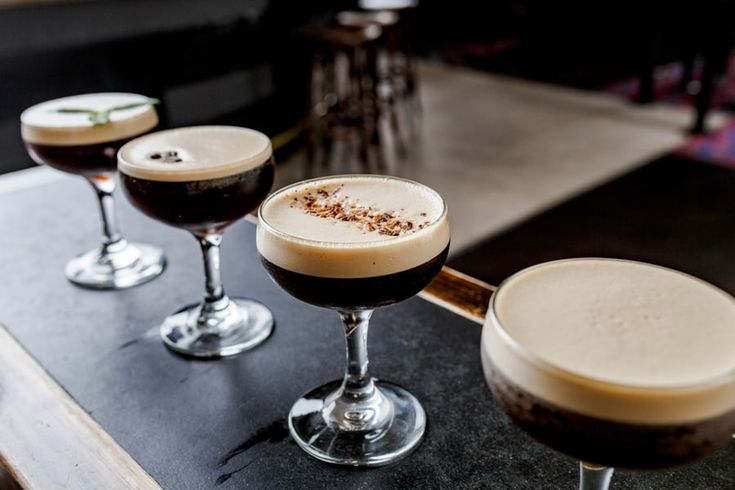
x=81 y=135
x=617 y=363
x=354 y=243
x=203 y=179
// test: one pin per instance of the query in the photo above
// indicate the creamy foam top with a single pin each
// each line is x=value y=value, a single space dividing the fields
x=616 y=339
x=353 y=226
x=194 y=153
x=44 y=124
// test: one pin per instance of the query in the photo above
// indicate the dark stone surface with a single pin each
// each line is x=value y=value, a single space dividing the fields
x=672 y=212
x=220 y=424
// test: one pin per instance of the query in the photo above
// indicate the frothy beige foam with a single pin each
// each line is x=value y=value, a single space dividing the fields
x=353 y=226
x=194 y=153
x=616 y=339
x=44 y=124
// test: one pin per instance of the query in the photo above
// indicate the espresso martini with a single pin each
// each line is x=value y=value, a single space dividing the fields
x=353 y=243
x=617 y=363
x=81 y=135
x=202 y=179
x=66 y=133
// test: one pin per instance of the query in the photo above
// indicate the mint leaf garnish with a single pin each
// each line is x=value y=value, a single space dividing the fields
x=100 y=118
x=125 y=107
x=75 y=111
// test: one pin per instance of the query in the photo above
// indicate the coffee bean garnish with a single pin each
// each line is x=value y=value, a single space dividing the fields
x=169 y=156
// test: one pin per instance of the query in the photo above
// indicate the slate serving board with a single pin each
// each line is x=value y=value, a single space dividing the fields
x=221 y=424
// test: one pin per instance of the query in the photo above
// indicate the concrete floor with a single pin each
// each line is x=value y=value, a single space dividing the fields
x=500 y=149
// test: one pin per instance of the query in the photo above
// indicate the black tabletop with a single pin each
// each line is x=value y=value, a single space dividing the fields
x=221 y=424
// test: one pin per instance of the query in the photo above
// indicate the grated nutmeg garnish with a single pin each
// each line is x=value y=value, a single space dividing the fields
x=328 y=204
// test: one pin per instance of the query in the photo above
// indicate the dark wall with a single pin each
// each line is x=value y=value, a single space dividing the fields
x=585 y=44
x=210 y=61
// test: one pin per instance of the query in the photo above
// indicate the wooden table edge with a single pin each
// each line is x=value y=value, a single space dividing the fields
x=47 y=440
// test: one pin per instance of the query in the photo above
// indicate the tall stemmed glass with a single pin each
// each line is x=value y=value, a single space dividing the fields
x=616 y=363
x=203 y=179
x=354 y=243
x=81 y=135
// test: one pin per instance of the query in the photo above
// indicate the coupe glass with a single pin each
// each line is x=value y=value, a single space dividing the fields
x=203 y=179
x=587 y=390
x=81 y=135
x=357 y=420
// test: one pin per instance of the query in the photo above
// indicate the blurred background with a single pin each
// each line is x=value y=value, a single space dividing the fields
x=552 y=128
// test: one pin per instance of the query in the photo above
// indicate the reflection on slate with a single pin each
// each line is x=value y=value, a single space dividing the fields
x=671 y=212
x=221 y=424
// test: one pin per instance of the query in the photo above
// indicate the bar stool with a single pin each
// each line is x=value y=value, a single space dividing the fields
x=343 y=103
x=390 y=86
x=401 y=50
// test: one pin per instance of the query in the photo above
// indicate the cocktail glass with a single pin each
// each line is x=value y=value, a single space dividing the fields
x=80 y=135
x=203 y=179
x=358 y=420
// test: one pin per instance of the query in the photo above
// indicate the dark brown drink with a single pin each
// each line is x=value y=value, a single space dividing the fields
x=357 y=241
x=622 y=445
x=201 y=205
x=366 y=292
x=89 y=160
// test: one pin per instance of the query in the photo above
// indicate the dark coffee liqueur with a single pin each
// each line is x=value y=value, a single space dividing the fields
x=179 y=178
x=368 y=292
x=72 y=143
x=353 y=241
x=616 y=363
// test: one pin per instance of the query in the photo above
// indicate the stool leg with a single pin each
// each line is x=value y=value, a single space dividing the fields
x=315 y=90
x=704 y=97
x=389 y=103
x=327 y=147
x=377 y=143
x=362 y=100
x=412 y=85
x=376 y=107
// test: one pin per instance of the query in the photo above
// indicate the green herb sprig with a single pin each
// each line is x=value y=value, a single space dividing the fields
x=100 y=118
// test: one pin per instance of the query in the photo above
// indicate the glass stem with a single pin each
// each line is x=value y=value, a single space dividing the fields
x=104 y=185
x=215 y=298
x=593 y=477
x=357 y=385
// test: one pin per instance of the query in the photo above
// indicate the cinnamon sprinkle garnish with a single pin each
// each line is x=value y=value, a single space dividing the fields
x=323 y=203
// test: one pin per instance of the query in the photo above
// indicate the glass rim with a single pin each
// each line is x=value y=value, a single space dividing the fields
x=228 y=169
x=334 y=244
x=539 y=361
x=27 y=110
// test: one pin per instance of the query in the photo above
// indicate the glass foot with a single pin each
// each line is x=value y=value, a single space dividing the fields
x=118 y=266
x=240 y=325
x=328 y=430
